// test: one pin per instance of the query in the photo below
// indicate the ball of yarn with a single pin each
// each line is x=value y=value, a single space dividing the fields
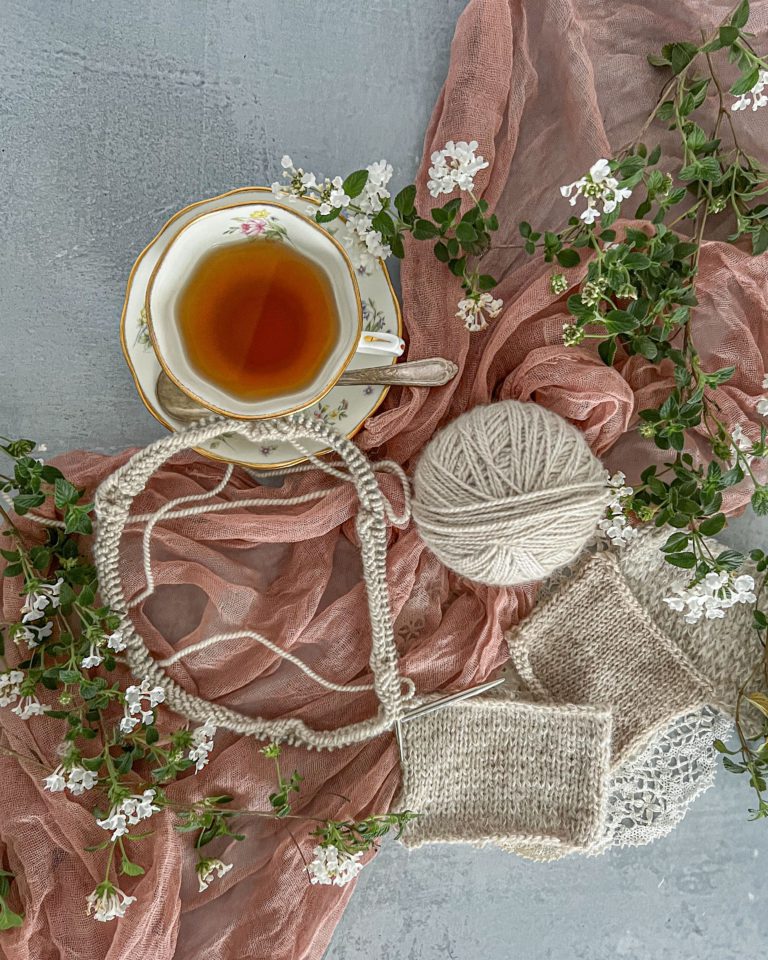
x=507 y=493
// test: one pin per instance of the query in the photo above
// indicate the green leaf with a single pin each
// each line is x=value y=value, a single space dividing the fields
x=50 y=474
x=656 y=61
x=525 y=229
x=684 y=560
x=384 y=224
x=354 y=183
x=131 y=869
x=730 y=559
x=636 y=261
x=486 y=282
x=27 y=501
x=760 y=241
x=740 y=14
x=405 y=200
x=65 y=493
x=441 y=252
x=425 y=229
x=745 y=82
x=397 y=247
x=619 y=321
x=679 y=55
x=465 y=232
x=568 y=258
x=152 y=734
x=709 y=169
x=712 y=525
x=675 y=543
x=76 y=520
x=728 y=34
x=606 y=350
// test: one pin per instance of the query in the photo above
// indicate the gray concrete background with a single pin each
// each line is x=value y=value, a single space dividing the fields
x=112 y=116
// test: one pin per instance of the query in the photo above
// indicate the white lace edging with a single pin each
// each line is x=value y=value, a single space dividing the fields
x=651 y=793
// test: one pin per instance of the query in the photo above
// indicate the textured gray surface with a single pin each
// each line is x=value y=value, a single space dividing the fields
x=112 y=116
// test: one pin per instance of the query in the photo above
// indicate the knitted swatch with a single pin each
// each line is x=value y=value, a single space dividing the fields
x=494 y=769
x=589 y=641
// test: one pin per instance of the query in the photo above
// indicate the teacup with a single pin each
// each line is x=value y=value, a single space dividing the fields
x=258 y=225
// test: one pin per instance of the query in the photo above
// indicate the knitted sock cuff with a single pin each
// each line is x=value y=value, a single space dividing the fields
x=493 y=769
x=589 y=641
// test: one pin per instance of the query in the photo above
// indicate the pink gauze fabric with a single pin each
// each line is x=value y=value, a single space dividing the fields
x=546 y=87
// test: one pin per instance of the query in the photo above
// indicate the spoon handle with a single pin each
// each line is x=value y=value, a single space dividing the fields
x=432 y=372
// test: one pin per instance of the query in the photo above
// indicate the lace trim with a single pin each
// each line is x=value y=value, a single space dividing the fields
x=651 y=793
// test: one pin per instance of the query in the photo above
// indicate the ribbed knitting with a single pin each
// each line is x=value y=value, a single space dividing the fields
x=494 y=769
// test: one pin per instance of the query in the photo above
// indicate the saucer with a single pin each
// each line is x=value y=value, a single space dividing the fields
x=345 y=408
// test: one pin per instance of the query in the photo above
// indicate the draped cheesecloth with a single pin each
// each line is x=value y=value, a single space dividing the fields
x=546 y=87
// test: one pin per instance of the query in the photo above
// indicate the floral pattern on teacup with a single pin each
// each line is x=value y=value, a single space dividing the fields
x=260 y=223
x=142 y=333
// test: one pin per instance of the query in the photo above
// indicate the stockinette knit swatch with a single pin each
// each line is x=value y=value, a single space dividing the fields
x=591 y=642
x=494 y=769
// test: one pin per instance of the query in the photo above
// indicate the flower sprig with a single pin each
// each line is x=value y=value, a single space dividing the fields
x=371 y=224
x=635 y=295
x=341 y=843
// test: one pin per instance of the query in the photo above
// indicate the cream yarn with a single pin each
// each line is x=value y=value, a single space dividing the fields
x=508 y=493
x=113 y=501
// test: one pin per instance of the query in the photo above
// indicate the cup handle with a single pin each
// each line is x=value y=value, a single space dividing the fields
x=380 y=342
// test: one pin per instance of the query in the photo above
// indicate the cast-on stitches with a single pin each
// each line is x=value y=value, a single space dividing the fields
x=112 y=507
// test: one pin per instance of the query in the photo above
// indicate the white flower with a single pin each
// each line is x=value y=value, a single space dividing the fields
x=765 y=382
x=41 y=601
x=277 y=189
x=338 y=198
x=456 y=165
x=615 y=525
x=80 y=780
x=364 y=245
x=206 y=869
x=116 y=642
x=129 y=812
x=755 y=96
x=333 y=866
x=202 y=744
x=10 y=687
x=55 y=781
x=308 y=180
x=116 y=822
x=476 y=310
x=286 y=163
x=140 y=702
x=107 y=902
x=32 y=635
x=711 y=596
x=128 y=724
x=139 y=807
x=762 y=406
x=28 y=707
x=93 y=659
x=597 y=186
x=742 y=443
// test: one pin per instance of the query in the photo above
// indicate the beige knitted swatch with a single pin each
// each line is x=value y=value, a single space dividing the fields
x=493 y=769
x=589 y=641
